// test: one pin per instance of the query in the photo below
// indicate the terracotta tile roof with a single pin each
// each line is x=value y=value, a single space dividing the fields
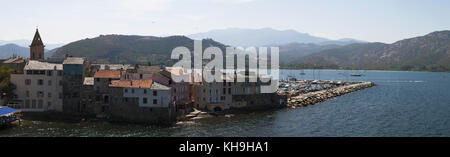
x=108 y=74
x=132 y=84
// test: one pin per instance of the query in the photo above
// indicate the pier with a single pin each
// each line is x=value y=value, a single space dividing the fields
x=300 y=98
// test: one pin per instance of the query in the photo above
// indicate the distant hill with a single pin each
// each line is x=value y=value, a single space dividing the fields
x=8 y=50
x=290 y=53
x=426 y=53
x=263 y=37
x=26 y=43
x=130 y=49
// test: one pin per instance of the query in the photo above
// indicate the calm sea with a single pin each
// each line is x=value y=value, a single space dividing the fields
x=402 y=104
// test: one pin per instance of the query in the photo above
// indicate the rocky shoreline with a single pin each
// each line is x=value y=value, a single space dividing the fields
x=307 y=99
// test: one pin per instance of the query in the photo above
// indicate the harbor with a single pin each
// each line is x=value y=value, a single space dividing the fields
x=383 y=110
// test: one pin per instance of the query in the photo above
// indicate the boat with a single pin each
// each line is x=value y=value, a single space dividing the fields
x=8 y=115
x=302 y=73
x=356 y=75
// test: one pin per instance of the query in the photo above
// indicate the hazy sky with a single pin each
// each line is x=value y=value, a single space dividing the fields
x=63 y=21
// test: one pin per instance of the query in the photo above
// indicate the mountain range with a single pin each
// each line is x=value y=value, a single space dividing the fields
x=266 y=37
x=9 y=50
x=430 y=52
x=130 y=49
x=425 y=53
x=26 y=43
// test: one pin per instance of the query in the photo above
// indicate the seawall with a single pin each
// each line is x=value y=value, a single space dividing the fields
x=307 y=99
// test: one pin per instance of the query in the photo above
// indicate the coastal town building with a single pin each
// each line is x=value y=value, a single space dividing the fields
x=141 y=72
x=180 y=91
x=16 y=63
x=88 y=96
x=141 y=101
x=229 y=93
x=74 y=73
x=102 y=79
x=40 y=87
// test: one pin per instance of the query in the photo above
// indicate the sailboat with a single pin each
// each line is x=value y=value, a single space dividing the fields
x=303 y=72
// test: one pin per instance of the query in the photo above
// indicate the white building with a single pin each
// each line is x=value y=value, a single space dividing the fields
x=40 y=87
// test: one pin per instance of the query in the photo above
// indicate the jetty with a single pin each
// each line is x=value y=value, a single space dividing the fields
x=298 y=99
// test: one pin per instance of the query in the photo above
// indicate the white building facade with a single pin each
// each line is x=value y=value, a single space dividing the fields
x=40 y=87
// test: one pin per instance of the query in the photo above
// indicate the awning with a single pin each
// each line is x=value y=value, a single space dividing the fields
x=6 y=111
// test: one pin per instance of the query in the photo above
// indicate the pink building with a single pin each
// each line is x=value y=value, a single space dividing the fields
x=179 y=90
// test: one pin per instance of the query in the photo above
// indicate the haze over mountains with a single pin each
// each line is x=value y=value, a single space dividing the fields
x=9 y=50
x=26 y=43
x=266 y=37
x=21 y=48
x=426 y=53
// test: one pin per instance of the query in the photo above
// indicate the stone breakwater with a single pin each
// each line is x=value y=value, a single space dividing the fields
x=307 y=99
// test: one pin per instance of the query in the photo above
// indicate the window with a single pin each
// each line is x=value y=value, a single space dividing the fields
x=204 y=90
x=27 y=103
x=243 y=90
x=27 y=81
x=145 y=91
x=144 y=100
x=29 y=72
x=49 y=82
x=126 y=90
x=49 y=103
x=40 y=82
x=229 y=90
x=60 y=73
x=235 y=90
x=224 y=91
x=40 y=104
x=140 y=76
x=28 y=93
x=49 y=73
x=33 y=103
x=49 y=94
x=132 y=90
x=155 y=93
x=155 y=101
x=97 y=79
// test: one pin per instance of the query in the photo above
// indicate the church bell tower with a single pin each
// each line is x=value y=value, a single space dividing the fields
x=37 y=47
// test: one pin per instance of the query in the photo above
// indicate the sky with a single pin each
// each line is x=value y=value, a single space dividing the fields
x=65 y=21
